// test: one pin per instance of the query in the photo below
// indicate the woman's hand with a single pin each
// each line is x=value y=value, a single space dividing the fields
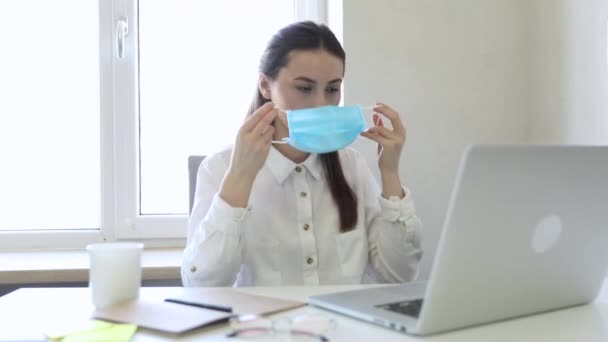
x=253 y=142
x=248 y=155
x=390 y=145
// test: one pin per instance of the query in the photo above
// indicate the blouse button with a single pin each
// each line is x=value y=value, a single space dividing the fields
x=303 y=194
x=306 y=226
x=298 y=169
x=310 y=261
x=193 y=269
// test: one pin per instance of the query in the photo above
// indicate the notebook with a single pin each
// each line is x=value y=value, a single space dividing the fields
x=179 y=318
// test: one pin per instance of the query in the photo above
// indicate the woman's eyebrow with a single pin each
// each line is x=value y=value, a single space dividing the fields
x=306 y=79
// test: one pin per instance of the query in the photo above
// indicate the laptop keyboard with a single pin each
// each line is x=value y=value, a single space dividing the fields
x=408 y=307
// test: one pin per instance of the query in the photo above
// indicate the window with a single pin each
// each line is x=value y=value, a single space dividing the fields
x=106 y=101
x=198 y=72
x=50 y=115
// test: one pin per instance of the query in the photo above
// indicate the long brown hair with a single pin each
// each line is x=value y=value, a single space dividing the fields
x=307 y=35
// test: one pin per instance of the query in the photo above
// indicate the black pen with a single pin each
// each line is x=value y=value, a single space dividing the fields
x=200 y=305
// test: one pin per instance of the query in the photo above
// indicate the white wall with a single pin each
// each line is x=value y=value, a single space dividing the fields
x=458 y=72
x=570 y=72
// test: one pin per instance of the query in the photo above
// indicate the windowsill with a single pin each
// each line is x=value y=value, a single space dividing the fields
x=73 y=266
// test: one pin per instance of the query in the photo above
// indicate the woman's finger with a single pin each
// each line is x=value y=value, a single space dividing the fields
x=376 y=137
x=257 y=116
x=264 y=123
x=384 y=132
x=378 y=120
x=392 y=115
x=267 y=135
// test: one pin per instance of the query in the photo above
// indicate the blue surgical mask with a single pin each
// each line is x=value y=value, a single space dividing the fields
x=324 y=129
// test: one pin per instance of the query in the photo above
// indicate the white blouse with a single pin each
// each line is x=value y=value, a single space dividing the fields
x=289 y=234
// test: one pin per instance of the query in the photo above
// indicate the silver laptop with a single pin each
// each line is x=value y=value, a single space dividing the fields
x=526 y=231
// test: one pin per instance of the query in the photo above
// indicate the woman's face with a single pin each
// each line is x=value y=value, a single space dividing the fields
x=311 y=78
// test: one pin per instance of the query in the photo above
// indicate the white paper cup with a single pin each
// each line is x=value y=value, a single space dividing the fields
x=115 y=272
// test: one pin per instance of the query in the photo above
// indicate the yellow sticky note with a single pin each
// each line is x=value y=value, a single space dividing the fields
x=95 y=331
x=114 y=333
x=73 y=328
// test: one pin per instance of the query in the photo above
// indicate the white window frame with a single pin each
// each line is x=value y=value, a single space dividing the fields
x=77 y=238
x=120 y=218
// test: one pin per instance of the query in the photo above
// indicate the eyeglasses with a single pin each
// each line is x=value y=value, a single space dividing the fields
x=309 y=326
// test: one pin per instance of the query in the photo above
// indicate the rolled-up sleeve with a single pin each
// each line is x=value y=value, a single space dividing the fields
x=213 y=253
x=394 y=233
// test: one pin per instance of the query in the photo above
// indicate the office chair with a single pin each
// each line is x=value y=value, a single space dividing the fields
x=193 y=163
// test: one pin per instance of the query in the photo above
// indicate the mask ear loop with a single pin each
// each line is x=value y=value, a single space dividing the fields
x=283 y=140
x=368 y=116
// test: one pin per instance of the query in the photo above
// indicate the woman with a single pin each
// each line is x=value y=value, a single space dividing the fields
x=270 y=214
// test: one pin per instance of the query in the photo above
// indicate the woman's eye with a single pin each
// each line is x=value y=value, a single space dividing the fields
x=304 y=89
x=333 y=90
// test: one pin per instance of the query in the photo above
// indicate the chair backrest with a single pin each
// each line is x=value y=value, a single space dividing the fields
x=193 y=163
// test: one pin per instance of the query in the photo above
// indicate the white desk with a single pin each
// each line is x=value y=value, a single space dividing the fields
x=38 y=309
